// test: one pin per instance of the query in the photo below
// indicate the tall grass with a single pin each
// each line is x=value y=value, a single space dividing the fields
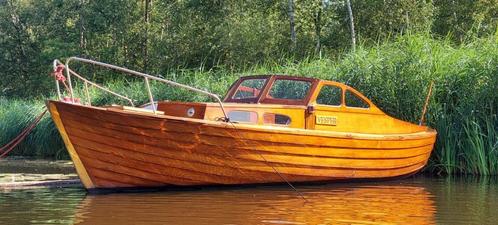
x=44 y=141
x=395 y=75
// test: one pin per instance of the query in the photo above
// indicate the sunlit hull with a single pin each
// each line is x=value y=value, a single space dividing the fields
x=120 y=149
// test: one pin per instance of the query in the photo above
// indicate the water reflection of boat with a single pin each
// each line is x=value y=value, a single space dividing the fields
x=331 y=204
x=306 y=129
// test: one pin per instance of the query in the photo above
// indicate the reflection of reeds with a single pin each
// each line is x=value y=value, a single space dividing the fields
x=465 y=199
x=395 y=75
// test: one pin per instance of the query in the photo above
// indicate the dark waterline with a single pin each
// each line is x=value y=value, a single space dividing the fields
x=419 y=200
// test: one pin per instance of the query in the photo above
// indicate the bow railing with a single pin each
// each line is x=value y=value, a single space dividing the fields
x=146 y=77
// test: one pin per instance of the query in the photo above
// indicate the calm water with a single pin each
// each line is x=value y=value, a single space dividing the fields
x=411 y=201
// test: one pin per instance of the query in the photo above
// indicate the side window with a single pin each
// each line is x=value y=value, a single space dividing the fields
x=273 y=118
x=352 y=100
x=249 y=88
x=243 y=116
x=330 y=95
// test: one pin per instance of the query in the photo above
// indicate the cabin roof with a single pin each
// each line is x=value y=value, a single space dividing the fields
x=288 y=76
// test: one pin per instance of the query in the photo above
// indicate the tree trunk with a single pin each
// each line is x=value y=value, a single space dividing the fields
x=147 y=8
x=318 y=29
x=82 y=26
x=292 y=23
x=351 y=25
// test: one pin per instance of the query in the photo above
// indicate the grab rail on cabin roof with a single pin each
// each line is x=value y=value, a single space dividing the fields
x=125 y=70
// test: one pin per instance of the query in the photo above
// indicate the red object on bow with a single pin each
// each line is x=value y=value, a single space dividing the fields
x=58 y=73
x=73 y=100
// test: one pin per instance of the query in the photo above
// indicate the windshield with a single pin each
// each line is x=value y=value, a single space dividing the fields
x=289 y=89
x=249 y=88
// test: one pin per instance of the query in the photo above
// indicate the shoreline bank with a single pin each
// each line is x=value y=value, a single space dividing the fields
x=21 y=173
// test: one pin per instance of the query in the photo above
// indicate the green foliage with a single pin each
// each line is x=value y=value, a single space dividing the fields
x=233 y=34
x=464 y=20
x=380 y=19
x=404 y=44
x=395 y=75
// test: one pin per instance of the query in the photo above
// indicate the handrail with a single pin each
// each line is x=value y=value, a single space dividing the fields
x=146 y=78
x=57 y=62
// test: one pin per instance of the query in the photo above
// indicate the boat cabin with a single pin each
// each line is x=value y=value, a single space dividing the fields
x=294 y=102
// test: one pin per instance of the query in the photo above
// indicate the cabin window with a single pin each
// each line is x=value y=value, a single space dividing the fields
x=290 y=89
x=249 y=88
x=353 y=100
x=243 y=116
x=330 y=95
x=274 y=118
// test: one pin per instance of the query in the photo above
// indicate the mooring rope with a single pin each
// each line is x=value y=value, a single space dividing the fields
x=4 y=150
x=268 y=163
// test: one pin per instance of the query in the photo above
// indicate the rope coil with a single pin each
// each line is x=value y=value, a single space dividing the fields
x=59 y=76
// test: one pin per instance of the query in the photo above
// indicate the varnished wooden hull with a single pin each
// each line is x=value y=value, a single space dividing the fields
x=118 y=149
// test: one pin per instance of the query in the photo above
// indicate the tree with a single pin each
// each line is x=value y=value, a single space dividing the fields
x=465 y=19
x=20 y=64
x=379 y=19
x=292 y=23
x=351 y=25
x=147 y=10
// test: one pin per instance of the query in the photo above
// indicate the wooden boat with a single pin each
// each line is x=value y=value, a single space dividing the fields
x=267 y=129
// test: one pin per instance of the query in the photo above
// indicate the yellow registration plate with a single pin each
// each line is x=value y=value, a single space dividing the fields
x=326 y=120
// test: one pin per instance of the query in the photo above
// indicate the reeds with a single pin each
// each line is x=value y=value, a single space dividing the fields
x=44 y=141
x=395 y=75
x=467 y=148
